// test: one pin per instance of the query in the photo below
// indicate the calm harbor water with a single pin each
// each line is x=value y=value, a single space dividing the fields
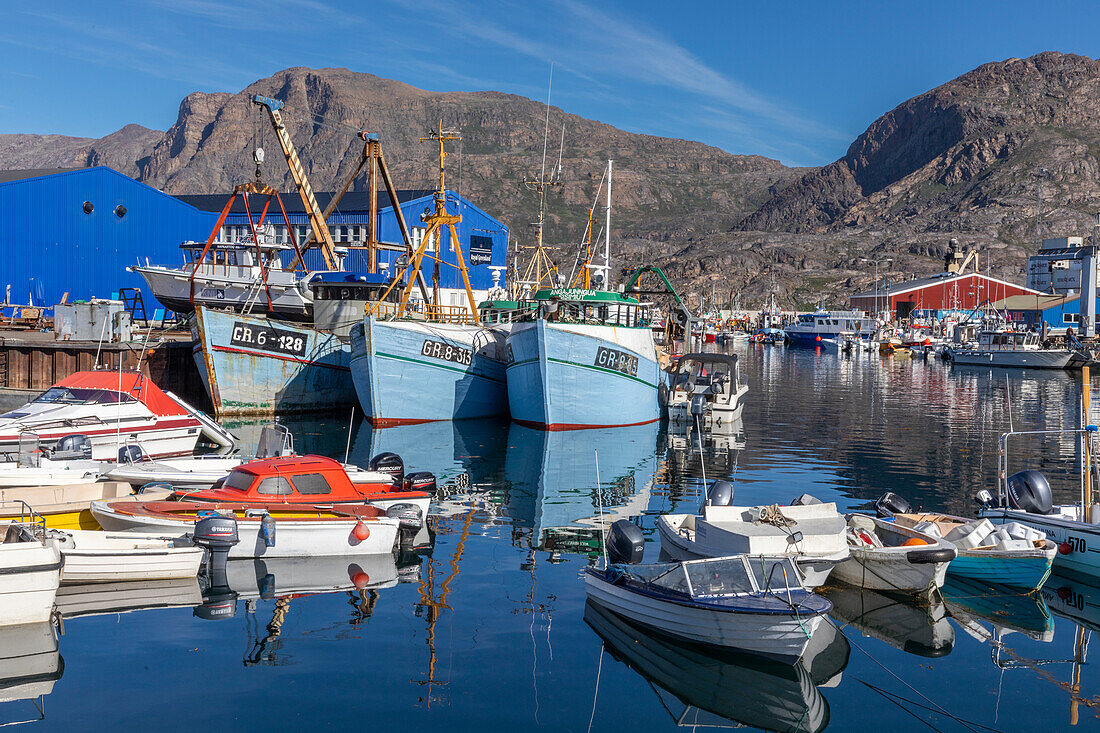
x=486 y=626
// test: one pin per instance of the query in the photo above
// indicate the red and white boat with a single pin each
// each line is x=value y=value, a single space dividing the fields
x=110 y=409
x=318 y=481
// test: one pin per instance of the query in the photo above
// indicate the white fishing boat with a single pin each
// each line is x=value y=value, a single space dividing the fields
x=91 y=556
x=811 y=534
x=755 y=605
x=264 y=530
x=31 y=569
x=707 y=387
x=894 y=558
x=1000 y=347
x=108 y=409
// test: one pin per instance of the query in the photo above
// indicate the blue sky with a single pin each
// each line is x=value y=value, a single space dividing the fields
x=795 y=81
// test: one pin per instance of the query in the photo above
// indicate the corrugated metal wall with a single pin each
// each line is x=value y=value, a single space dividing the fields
x=49 y=245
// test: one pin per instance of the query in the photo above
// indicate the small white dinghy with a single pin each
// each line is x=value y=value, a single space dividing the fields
x=892 y=558
x=808 y=531
x=91 y=556
x=755 y=605
x=31 y=571
x=68 y=462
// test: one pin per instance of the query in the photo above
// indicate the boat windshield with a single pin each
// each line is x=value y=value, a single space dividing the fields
x=670 y=576
x=67 y=396
x=238 y=480
x=722 y=576
x=775 y=573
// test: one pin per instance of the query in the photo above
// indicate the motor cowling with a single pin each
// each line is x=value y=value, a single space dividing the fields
x=73 y=446
x=806 y=500
x=130 y=453
x=389 y=463
x=420 y=481
x=625 y=543
x=1030 y=491
x=720 y=493
x=408 y=516
x=216 y=534
x=890 y=504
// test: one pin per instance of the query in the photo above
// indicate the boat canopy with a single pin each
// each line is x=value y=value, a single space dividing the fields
x=704 y=368
x=131 y=385
x=720 y=577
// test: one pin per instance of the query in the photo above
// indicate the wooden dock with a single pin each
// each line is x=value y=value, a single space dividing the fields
x=32 y=360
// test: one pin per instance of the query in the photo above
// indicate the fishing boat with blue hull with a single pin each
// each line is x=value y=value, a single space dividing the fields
x=583 y=359
x=408 y=371
x=253 y=365
x=811 y=329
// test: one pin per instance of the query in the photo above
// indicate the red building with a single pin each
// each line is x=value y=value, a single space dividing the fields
x=945 y=291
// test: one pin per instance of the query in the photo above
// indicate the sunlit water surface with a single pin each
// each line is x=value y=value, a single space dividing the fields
x=484 y=628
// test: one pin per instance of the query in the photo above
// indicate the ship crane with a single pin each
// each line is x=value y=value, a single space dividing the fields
x=316 y=219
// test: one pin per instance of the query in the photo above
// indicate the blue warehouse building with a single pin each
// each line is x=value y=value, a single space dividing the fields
x=76 y=231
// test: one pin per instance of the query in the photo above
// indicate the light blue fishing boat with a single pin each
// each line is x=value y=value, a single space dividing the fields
x=583 y=359
x=408 y=371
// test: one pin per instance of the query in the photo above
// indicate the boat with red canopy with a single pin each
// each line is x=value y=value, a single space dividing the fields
x=107 y=409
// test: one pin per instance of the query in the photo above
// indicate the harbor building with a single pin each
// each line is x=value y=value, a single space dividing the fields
x=75 y=231
x=1056 y=311
x=943 y=291
x=1057 y=266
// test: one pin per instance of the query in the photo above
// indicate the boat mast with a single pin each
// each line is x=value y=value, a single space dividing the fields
x=607 y=233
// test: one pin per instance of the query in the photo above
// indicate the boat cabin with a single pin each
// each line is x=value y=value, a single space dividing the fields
x=836 y=322
x=341 y=299
x=994 y=340
x=714 y=375
x=596 y=307
x=297 y=479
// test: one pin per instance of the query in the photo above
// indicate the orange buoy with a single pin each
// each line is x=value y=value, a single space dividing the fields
x=360 y=580
x=913 y=541
x=361 y=531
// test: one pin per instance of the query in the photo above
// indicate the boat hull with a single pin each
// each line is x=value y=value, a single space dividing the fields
x=559 y=378
x=407 y=372
x=253 y=366
x=1079 y=542
x=312 y=538
x=1008 y=358
x=102 y=557
x=235 y=288
x=31 y=574
x=778 y=636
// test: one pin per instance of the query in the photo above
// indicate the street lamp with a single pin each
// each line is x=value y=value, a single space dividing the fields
x=887 y=260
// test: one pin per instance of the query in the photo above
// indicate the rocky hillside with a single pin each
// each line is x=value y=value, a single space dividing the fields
x=964 y=160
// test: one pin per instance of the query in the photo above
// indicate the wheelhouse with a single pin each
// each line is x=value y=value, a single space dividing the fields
x=594 y=307
x=716 y=374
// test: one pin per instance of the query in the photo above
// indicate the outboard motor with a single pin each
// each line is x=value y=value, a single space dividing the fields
x=806 y=500
x=389 y=463
x=420 y=481
x=408 y=516
x=720 y=493
x=130 y=453
x=625 y=543
x=698 y=405
x=1029 y=491
x=217 y=535
x=73 y=446
x=890 y=504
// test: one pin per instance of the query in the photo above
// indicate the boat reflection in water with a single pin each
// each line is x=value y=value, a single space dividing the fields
x=550 y=479
x=93 y=599
x=719 y=688
x=720 y=448
x=916 y=627
x=30 y=664
x=990 y=613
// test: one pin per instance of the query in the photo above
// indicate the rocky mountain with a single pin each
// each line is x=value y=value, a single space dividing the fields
x=966 y=160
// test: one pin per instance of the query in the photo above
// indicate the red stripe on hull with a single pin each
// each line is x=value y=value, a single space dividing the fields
x=393 y=422
x=559 y=426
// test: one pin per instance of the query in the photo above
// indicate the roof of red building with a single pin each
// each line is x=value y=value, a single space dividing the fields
x=942 y=278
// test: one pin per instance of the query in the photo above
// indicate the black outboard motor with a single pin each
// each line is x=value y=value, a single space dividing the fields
x=420 y=481
x=890 y=504
x=1030 y=491
x=130 y=453
x=408 y=516
x=389 y=463
x=720 y=493
x=72 y=446
x=625 y=543
x=216 y=534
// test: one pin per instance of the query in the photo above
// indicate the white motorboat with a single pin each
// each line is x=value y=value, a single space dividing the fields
x=1006 y=348
x=812 y=534
x=1025 y=498
x=755 y=605
x=31 y=570
x=108 y=409
x=707 y=387
x=91 y=556
x=893 y=558
x=69 y=462
x=296 y=530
